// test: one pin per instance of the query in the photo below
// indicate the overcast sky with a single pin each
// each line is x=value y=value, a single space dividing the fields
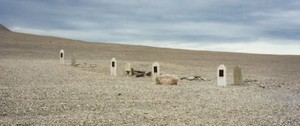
x=251 y=26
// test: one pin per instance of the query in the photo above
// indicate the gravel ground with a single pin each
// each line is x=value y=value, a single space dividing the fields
x=43 y=92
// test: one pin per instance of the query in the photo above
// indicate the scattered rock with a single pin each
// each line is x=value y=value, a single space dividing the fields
x=138 y=73
x=148 y=73
x=254 y=82
x=167 y=79
x=194 y=78
x=262 y=86
x=250 y=81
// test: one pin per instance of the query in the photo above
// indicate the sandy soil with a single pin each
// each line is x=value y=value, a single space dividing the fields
x=37 y=90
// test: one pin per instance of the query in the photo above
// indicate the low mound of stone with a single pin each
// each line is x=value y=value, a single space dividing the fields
x=167 y=79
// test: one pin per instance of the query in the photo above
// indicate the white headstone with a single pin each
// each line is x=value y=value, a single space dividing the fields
x=61 y=56
x=221 y=77
x=155 y=70
x=113 y=67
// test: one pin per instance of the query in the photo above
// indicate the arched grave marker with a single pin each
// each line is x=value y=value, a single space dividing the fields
x=155 y=70
x=61 y=56
x=113 y=67
x=221 y=77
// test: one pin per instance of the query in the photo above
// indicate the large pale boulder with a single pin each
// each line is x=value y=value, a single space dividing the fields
x=167 y=79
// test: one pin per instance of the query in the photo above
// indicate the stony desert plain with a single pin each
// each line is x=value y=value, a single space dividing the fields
x=36 y=90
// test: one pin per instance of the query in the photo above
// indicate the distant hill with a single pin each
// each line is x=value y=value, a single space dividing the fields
x=3 y=28
x=29 y=46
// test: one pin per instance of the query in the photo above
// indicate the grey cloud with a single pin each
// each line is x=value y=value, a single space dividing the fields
x=166 y=20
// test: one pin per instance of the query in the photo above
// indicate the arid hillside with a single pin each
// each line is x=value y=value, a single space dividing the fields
x=36 y=90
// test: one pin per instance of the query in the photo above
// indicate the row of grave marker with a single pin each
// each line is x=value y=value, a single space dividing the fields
x=221 y=71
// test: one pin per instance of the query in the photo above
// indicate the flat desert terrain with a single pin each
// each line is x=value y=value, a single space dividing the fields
x=36 y=90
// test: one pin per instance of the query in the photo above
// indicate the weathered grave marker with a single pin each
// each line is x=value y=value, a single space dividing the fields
x=128 y=69
x=73 y=60
x=155 y=70
x=221 y=77
x=237 y=75
x=113 y=67
x=61 y=56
